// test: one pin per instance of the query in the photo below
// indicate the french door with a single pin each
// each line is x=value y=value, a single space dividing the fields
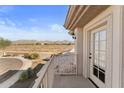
x=98 y=56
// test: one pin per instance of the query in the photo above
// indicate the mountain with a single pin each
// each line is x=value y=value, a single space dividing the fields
x=30 y=42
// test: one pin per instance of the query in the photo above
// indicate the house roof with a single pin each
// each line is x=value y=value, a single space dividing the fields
x=80 y=15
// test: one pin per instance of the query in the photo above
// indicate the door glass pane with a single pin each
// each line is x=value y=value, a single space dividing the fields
x=103 y=45
x=102 y=76
x=103 y=35
x=96 y=62
x=96 y=45
x=102 y=64
x=99 y=58
x=96 y=36
x=96 y=58
x=102 y=55
x=95 y=71
x=96 y=54
x=102 y=59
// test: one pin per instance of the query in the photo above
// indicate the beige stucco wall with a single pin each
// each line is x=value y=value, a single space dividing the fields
x=117 y=47
x=79 y=50
x=122 y=48
x=117 y=64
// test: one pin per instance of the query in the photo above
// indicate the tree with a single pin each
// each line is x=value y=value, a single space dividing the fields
x=4 y=43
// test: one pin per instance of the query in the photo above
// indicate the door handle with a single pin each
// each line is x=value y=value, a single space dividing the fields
x=90 y=57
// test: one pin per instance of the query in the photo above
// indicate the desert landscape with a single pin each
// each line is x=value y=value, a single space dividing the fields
x=43 y=48
x=37 y=52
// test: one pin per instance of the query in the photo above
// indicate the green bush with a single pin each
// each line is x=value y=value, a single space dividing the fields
x=24 y=76
x=26 y=56
x=38 y=43
x=29 y=73
x=31 y=56
x=34 y=56
x=38 y=68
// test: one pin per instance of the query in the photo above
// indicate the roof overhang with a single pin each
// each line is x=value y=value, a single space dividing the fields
x=80 y=15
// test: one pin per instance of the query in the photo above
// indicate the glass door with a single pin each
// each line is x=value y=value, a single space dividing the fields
x=98 y=56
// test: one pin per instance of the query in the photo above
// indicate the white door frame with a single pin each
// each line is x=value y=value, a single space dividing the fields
x=94 y=78
x=104 y=18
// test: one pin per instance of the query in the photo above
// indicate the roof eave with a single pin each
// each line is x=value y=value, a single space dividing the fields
x=87 y=13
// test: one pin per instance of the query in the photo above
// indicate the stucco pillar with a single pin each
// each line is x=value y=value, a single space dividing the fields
x=117 y=65
x=79 y=50
x=123 y=46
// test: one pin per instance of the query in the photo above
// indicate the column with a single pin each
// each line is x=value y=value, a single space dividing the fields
x=79 y=50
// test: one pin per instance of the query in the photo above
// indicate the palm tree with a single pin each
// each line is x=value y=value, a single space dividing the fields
x=4 y=43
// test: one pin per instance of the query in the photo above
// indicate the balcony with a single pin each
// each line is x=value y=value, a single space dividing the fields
x=60 y=72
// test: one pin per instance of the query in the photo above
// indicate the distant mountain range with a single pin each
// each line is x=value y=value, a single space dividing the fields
x=42 y=42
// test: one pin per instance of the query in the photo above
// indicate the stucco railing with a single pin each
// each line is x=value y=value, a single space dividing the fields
x=65 y=64
x=59 y=64
x=45 y=75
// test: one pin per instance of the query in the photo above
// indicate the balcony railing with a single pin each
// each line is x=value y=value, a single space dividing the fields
x=63 y=64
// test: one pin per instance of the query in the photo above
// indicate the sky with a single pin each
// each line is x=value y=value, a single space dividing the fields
x=33 y=22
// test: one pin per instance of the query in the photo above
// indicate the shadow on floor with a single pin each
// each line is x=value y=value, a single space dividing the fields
x=61 y=81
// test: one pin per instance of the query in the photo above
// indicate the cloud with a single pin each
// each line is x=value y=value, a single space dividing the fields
x=32 y=19
x=2 y=22
x=6 y=8
x=32 y=28
x=57 y=28
x=14 y=33
x=10 y=22
x=6 y=21
x=33 y=33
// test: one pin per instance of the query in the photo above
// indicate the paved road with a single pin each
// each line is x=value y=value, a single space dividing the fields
x=11 y=69
x=7 y=64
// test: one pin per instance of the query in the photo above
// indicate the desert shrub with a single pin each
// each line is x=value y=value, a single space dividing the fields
x=26 y=56
x=68 y=44
x=45 y=43
x=38 y=43
x=34 y=56
x=58 y=54
x=6 y=55
x=31 y=56
x=46 y=59
x=38 y=67
x=24 y=76
x=52 y=55
x=29 y=73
